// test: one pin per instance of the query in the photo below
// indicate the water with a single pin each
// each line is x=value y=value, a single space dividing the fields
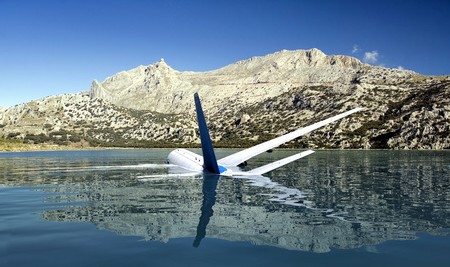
x=126 y=208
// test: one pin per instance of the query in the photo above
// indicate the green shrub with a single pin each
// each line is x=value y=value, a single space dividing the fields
x=13 y=135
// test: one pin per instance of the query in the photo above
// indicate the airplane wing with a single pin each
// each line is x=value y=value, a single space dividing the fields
x=272 y=166
x=241 y=156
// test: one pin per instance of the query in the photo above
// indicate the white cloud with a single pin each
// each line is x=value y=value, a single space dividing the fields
x=400 y=68
x=355 y=49
x=371 y=57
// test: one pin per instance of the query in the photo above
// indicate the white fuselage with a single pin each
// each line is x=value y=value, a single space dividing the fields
x=186 y=160
x=190 y=161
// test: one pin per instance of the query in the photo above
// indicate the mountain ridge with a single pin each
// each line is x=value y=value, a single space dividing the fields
x=247 y=102
x=297 y=66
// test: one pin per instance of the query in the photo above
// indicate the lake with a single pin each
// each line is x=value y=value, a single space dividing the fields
x=127 y=208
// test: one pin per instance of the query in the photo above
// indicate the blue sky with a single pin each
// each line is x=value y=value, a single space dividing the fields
x=50 y=47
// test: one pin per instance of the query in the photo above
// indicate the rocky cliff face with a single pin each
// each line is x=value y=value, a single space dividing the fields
x=160 y=88
x=246 y=103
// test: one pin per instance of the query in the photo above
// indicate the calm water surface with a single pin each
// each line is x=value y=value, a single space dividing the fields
x=126 y=208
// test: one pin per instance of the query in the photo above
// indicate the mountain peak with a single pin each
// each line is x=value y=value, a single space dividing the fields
x=315 y=53
x=160 y=88
x=161 y=63
x=297 y=60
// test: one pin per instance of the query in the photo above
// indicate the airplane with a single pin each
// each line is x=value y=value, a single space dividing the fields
x=228 y=166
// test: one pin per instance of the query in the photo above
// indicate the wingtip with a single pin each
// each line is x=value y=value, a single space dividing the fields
x=358 y=109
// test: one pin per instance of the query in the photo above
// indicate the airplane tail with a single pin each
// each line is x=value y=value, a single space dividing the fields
x=209 y=157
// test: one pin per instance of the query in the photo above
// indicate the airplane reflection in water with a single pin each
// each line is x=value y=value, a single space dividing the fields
x=288 y=196
x=209 y=199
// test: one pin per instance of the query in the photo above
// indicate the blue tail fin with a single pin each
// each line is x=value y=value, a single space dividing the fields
x=209 y=158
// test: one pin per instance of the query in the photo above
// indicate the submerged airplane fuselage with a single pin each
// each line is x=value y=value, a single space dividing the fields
x=227 y=166
x=192 y=162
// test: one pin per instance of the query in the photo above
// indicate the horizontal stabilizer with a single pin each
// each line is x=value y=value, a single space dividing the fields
x=269 y=167
x=241 y=156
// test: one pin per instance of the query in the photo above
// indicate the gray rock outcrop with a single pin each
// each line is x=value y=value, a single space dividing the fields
x=249 y=102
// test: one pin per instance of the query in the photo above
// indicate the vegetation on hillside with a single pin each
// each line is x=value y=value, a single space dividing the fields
x=14 y=145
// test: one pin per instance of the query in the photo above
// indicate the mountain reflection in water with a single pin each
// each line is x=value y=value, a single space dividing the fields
x=333 y=199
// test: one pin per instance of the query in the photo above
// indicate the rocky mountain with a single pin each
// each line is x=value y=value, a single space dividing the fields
x=247 y=102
